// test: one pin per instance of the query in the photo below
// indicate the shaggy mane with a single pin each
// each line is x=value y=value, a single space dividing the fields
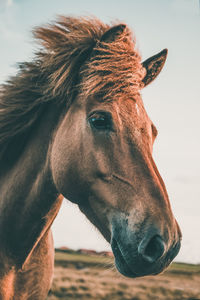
x=73 y=59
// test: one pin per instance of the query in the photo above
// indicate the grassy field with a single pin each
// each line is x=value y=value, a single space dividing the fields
x=79 y=276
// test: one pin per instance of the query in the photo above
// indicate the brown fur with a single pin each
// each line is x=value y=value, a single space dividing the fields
x=49 y=147
x=114 y=70
x=47 y=78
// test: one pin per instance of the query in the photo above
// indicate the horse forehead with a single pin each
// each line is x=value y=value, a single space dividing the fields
x=135 y=123
x=133 y=113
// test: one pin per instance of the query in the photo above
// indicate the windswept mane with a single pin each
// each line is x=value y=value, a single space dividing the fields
x=74 y=58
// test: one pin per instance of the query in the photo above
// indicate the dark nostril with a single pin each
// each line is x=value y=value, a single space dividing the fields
x=152 y=250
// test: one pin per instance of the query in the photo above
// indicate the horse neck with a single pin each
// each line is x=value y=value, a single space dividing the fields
x=29 y=200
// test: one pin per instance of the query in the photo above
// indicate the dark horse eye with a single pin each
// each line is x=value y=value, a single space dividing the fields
x=101 y=121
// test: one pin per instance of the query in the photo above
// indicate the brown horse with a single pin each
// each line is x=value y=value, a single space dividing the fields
x=72 y=123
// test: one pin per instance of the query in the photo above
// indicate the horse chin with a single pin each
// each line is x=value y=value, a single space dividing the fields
x=120 y=262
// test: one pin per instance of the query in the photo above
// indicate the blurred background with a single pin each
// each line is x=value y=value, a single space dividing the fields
x=172 y=101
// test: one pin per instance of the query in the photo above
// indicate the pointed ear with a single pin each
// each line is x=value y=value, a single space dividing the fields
x=153 y=66
x=113 y=33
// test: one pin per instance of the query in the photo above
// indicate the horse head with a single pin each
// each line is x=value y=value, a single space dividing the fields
x=101 y=157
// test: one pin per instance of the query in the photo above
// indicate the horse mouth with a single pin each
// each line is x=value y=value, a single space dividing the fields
x=120 y=261
x=144 y=269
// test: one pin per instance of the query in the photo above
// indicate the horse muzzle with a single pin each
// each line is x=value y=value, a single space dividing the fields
x=140 y=255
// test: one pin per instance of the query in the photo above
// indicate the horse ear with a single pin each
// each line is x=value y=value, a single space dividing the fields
x=153 y=66
x=113 y=33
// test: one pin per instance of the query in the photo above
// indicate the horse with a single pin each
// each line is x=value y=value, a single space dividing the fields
x=73 y=125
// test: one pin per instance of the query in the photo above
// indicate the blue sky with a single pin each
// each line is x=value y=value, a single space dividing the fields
x=172 y=101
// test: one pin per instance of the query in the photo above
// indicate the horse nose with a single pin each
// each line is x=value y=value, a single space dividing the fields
x=151 y=249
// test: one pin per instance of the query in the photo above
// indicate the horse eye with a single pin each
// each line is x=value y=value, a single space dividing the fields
x=101 y=121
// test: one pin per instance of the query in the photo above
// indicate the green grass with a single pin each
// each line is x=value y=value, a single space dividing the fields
x=183 y=268
x=65 y=259
x=81 y=258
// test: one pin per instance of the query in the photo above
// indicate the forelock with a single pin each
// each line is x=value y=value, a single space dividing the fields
x=114 y=69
